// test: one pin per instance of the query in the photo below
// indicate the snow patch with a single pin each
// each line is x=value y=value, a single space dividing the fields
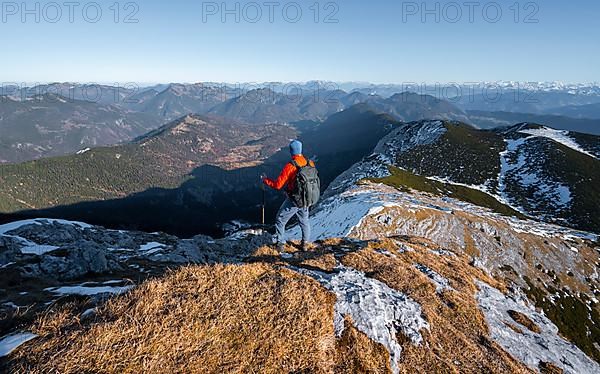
x=529 y=347
x=88 y=291
x=514 y=166
x=375 y=309
x=246 y=233
x=338 y=215
x=35 y=249
x=442 y=252
x=39 y=221
x=505 y=166
x=88 y=313
x=11 y=342
x=152 y=247
x=446 y=180
x=385 y=252
x=10 y=304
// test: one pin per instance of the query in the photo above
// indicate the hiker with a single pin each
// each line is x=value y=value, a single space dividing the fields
x=300 y=179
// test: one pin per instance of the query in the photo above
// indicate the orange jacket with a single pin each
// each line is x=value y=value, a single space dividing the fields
x=287 y=178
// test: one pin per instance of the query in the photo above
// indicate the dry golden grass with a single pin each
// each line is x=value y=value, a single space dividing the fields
x=251 y=318
x=263 y=318
x=266 y=254
x=324 y=262
x=548 y=368
x=525 y=321
x=513 y=327
x=316 y=258
x=357 y=353
x=458 y=339
x=470 y=245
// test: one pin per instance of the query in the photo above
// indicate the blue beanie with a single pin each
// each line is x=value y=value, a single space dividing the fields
x=295 y=148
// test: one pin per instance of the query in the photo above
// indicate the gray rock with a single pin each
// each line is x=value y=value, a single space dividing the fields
x=84 y=251
x=52 y=233
x=10 y=250
x=74 y=261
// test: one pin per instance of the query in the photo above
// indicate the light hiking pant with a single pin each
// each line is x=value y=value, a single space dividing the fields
x=286 y=212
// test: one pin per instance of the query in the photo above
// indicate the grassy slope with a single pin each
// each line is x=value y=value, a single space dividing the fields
x=405 y=180
x=470 y=156
x=463 y=154
x=576 y=170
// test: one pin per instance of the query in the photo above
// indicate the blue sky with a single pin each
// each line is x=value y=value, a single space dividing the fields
x=378 y=41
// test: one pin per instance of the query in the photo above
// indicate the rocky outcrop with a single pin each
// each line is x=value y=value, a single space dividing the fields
x=73 y=261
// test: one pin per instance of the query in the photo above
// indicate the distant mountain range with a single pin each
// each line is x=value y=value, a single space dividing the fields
x=177 y=100
x=583 y=89
x=73 y=117
x=521 y=100
x=265 y=105
x=52 y=125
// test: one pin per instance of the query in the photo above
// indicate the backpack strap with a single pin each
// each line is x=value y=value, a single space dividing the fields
x=293 y=162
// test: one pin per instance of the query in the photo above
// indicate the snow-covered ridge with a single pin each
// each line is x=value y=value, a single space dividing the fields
x=588 y=88
x=559 y=136
x=339 y=215
x=345 y=215
x=399 y=140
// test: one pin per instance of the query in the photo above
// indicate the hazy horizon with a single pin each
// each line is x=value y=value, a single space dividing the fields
x=25 y=83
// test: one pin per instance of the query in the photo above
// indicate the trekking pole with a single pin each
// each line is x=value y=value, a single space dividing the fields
x=262 y=186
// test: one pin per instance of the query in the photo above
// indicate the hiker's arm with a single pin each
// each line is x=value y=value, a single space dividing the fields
x=282 y=179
